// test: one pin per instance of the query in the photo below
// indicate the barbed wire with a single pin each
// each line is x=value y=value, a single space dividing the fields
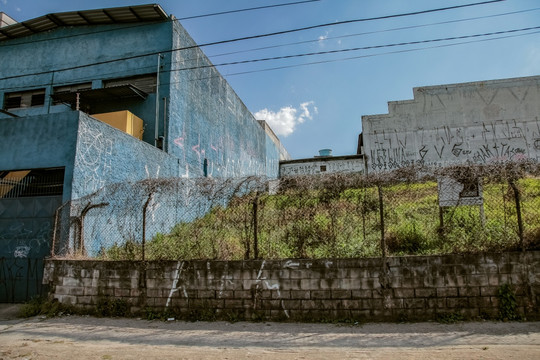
x=413 y=210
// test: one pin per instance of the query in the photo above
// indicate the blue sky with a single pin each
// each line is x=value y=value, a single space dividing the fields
x=318 y=106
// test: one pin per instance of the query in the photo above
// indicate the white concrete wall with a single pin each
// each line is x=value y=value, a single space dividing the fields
x=333 y=165
x=479 y=122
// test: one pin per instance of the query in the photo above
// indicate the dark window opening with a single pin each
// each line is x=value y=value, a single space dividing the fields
x=323 y=168
x=24 y=99
x=146 y=83
x=70 y=88
x=37 y=100
x=13 y=102
x=36 y=182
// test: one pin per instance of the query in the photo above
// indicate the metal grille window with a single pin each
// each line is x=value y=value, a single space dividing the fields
x=71 y=88
x=146 y=83
x=36 y=182
x=24 y=99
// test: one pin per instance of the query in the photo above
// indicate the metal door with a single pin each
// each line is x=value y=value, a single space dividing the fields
x=25 y=235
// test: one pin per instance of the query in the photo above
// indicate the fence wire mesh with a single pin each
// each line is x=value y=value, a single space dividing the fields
x=410 y=211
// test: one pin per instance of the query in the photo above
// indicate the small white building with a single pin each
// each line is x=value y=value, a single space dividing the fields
x=325 y=163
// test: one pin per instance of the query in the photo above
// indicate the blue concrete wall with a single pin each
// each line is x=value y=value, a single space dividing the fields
x=43 y=141
x=106 y=155
x=204 y=118
x=207 y=120
x=72 y=47
x=272 y=158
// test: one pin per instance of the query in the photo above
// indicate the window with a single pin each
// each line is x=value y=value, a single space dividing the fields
x=37 y=99
x=146 y=83
x=24 y=99
x=70 y=88
x=73 y=87
x=34 y=182
x=323 y=168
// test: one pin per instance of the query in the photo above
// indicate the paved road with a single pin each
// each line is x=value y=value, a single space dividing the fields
x=75 y=337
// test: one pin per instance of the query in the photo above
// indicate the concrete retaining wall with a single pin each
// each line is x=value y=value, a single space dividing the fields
x=412 y=288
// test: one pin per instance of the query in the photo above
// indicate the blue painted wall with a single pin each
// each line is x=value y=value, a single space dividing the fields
x=106 y=155
x=207 y=120
x=200 y=115
x=72 y=47
x=43 y=141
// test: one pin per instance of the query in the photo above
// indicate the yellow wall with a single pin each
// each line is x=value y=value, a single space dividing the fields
x=123 y=120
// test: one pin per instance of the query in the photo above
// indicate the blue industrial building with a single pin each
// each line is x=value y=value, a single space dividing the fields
x=95 y=97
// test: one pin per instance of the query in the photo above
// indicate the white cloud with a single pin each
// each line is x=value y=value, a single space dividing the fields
x=284 y=121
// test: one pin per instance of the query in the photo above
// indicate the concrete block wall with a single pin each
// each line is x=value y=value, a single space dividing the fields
x=412 y=288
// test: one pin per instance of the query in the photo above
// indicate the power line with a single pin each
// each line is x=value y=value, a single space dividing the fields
x=257 y=37
x=333 y=52
x=248 y=9
x=372 y=32
x=371 y=55
x=384 y=17
x=146 y=24
x=359 y=48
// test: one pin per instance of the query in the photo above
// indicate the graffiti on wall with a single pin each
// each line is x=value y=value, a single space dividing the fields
x=21 y=242
x=442 y=146
x=456 y=125
x=20 y=278
x=94 y=158
x=320 y=167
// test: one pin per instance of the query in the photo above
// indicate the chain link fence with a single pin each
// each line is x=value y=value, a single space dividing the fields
x=410 y=211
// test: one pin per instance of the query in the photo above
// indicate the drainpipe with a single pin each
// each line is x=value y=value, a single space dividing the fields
x=156 y=140
x=51 y=92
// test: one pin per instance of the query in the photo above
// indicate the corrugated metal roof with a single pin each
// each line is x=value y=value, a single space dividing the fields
x=120 y=15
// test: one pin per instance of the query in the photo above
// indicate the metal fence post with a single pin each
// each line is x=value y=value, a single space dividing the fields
x=144 y=225
x=518 y=212
x=381 y=213
x=255 y=227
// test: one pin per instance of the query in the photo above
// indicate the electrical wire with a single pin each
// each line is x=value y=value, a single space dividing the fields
x=370 y=33
x=153 y=23
x=359 y=48
x=200 y=67
x=255 y=37
x=248 y=9
x=372 y=55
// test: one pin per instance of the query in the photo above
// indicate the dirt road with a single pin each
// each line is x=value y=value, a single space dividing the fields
x=92 y=338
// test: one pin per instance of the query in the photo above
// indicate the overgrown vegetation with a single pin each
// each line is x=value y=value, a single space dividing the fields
x=42 y=306
x=507 y=303
x=340 y=218
x=335 y=215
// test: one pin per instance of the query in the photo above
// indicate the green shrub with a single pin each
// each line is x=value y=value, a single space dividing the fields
x=44 y=306
x=408 y=238
x=112 y=307
x=507 y=303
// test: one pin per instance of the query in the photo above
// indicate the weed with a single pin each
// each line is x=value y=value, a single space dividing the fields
x=449 y=318
x=111 y=307
x=406 y=239
x=233 y=316
x=507 y=303
x=43 y=306
x=258 y=316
